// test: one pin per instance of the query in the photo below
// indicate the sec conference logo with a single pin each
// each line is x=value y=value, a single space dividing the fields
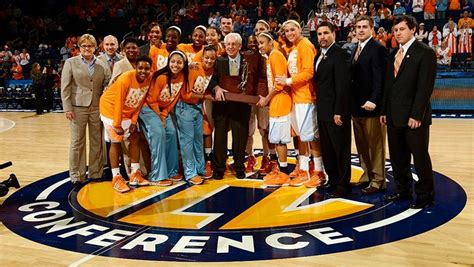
x=225 y=220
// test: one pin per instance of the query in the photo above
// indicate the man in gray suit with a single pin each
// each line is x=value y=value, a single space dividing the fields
x=110 y=56
x=82 y=81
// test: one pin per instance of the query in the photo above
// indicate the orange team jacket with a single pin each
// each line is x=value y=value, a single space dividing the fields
x=280 y=104
x=220 y=52
x=160 y=98
x=198 y=82
x=159 y=57
x=301 y=70
x=189 y=51
x=124 y=98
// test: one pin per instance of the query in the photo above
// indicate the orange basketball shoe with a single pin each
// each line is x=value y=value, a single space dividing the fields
x=137 y=179
x=295 y=172
x=264 y=166
x=165 y=182
x=277 y=179
x=208 y=170
x=316 y=180
x=177 y=178
x=119 y=184
x=300 y=179
x=251 y=161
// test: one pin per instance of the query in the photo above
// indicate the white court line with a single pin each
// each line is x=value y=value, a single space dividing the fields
x=45 y=194
x=82 y=261
x=6 y=124
x=387 y=221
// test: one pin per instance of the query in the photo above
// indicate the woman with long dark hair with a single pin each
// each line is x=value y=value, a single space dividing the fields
x=37 y=79
x=157 y=122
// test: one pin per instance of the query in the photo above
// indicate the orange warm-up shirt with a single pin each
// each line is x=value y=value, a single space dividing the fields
x=301 y=70
x=189 y=51
x=159 y=57
x=280 y=104
x=160 y=98
x=198 y=81
x=220 y=52
x=124 y=98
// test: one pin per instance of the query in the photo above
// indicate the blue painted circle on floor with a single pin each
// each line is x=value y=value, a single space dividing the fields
x=59 y=221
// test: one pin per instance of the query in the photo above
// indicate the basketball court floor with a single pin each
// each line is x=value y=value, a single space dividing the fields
x=230 y=222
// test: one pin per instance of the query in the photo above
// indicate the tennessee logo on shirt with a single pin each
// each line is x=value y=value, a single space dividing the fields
x=201 y=84
x=135 y=96
x=292 y=57
x=161 y=61
x=165 y=93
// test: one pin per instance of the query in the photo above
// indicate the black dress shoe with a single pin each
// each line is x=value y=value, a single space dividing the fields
x=217 y=175
x=398 y=196
x=12 y=181
x=371 y=190
x=3 y=190
x=422 y=203
x=240 y=175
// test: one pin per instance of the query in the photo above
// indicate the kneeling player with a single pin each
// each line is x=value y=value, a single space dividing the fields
x=119 y=108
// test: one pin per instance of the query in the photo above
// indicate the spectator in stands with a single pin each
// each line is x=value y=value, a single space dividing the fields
x=465 y=39
x=466 y=19
x=3 y=75
x=443 y=54
x=64 y=52
x=399 y=10
x=434 y=37
x=110 y=57
x=454 y=9
x=422 y=35
x=17 y=71
x=154 y=37
x=418 y=9
x=50 y=75
x=271 y=10
x=211 y=21
x=37 y=83
x=429 y=9
x=408 y=6
x=382 y=36
x=6 y=56
x=441 y=7
x=467 y=6
x=226 y=25
x=80 y=97
x=385 y=15
x=312 y=25
x=450 y=34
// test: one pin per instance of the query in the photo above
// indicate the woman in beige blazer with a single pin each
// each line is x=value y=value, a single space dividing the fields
x=82 y=81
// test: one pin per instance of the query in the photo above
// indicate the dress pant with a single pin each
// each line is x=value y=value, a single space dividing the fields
x=404 y=142
x=370 y=135
x=86 y=117
x=39 y=98
x=237 y=116
x=189 y=120
x=336 y=152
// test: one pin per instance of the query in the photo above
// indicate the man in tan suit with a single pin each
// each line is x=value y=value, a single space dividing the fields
x=82 y=81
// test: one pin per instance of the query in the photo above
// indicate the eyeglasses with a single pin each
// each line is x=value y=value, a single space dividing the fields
x=87 y=46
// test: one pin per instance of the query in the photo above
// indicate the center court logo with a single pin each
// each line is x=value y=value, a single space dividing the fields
x=225 y=220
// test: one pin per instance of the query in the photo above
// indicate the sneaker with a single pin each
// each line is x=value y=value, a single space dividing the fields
x=119 y=184
x=280 y=179
x=316 y=180
x=295 y=172
x=264 y=166
x=299 y=180
x=196 y=180
x=177 y=178
x=271 y=166
x=273 y=173
x=251 y=161
x=208 y=170
x=137 y=179
x=165 y=182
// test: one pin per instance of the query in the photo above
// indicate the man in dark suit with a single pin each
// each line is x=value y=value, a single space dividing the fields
x=406 y=110
x=332 y=97
x=231 y=73
x=369 y=61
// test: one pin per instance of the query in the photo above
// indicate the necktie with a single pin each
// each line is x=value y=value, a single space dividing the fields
x=233 y=68
x=398 y=61
x=357 y=54
x=319 y=61
x=112 y=62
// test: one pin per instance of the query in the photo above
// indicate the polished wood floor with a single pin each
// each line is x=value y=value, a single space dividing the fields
x=38 y=147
